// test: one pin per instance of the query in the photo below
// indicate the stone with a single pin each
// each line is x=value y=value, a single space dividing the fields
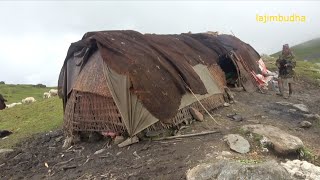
x=301 y=107
x=311 y=116
x=305 y=124
x=302 y=169
x=99 y=151
x=228 y=169
x=237 y=143
x=284 y=103
x=4 y=151
x=226 y=153
x=129 y=141
x=254 y=121
x=226 y=104
x=58 y=139
x=235 y=117
x=292 y=110
x=282 y=142
x=196 y=114
x=118 y=139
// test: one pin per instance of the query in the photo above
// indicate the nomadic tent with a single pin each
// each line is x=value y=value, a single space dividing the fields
x=126 y=82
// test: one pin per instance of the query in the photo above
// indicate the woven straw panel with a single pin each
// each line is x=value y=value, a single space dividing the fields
x=92 y=112
x=218 y=75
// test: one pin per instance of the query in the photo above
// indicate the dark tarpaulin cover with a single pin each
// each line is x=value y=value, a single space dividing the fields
x=159 y=66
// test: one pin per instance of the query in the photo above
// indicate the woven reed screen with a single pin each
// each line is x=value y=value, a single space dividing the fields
x=91 y=112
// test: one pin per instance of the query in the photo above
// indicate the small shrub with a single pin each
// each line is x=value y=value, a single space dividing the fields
x=306 y=154
x=40 y=86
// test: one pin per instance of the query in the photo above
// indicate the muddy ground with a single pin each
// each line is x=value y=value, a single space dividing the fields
x=42 y=157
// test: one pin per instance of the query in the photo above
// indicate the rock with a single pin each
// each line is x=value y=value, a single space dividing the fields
x=282 y=142
x=226 y=104
x=226 y=153
x=311 y=116
x=99 y=151
x=305 y=124
x=235 y=117
x=237 y=143
x=227 y=169
x=129 y=141
x=264 y=149
x=283 y=103
x=275 y=112
x=118 y=139
x=302 y=169
x=254 y=121
x=292 y=110
x=196 y=114
x=4 y=151
x=301 y=107
x=58 y=139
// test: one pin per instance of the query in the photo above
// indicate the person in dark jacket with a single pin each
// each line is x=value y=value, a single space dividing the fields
x=286 y=65
x=2 y=102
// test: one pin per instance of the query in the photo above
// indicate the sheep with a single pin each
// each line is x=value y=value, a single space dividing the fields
x=13 y=105
x=46 y=95
x=28 y=100
x=53 y=92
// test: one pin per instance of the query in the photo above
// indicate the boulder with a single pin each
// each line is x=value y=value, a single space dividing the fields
x=237 y=143
x=305 y=124
x=196 y=114
x=282 y=142
x=302 y=169
x=228 y=169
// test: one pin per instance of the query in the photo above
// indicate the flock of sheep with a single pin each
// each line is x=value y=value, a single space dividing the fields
x=28 y=100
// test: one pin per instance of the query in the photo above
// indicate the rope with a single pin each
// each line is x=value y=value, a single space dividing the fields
x=203 y=106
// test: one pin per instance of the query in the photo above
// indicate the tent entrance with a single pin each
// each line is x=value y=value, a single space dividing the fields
x=230 y=70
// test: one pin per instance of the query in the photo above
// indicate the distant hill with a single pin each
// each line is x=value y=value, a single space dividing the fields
x=309 y=50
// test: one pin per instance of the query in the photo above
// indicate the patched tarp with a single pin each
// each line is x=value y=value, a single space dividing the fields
x=158 y=68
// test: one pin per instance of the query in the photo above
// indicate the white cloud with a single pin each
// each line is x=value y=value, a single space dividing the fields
x=35 y=36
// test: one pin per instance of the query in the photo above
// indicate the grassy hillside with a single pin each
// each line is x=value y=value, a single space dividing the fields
x=15 y=93
x=28 y=119
x=309 y=50
x=309 y=70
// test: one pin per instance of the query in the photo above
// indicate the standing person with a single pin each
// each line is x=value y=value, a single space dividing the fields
x=286 y=65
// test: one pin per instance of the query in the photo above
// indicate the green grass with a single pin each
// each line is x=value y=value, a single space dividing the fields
x=28 y=119
x=309 y=50
x=15 y=93
x=306 y=69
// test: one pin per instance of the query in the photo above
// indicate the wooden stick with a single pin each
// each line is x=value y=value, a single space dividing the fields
x=68 y=167
x=203 y=107
x=186 y=135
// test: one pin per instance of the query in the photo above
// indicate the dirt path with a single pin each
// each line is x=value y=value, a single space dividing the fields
x=160 y=159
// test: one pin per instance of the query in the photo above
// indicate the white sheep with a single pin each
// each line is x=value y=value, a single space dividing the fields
x=46 y=95
x=53 y=92
x=13 y=105
x=28 y=100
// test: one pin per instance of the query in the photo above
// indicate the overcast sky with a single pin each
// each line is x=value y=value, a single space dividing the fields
x=35 y=36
